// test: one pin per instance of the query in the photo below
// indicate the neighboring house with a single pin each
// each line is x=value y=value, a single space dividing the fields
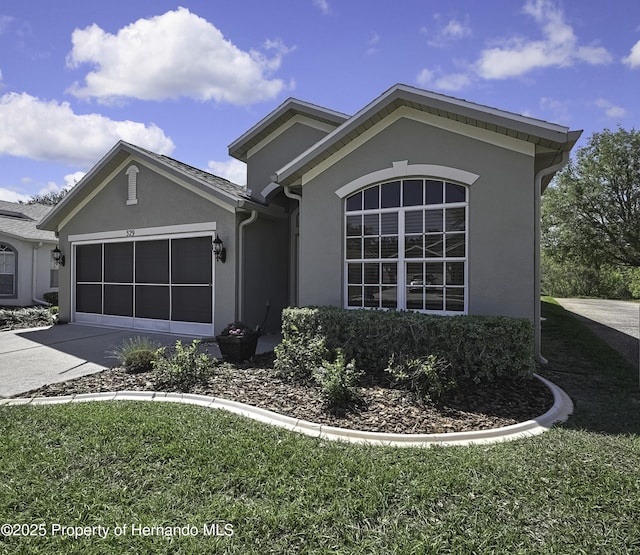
x=27 y=269
x=419 y=201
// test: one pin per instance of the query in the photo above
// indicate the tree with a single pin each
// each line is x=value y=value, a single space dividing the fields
x=591 y=213
x=50 y=199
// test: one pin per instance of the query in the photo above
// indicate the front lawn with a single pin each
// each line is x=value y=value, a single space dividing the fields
x=126 y=466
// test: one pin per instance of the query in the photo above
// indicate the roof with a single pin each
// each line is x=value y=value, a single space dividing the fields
x=217 y=188
x=278 y=117
x=19 y=221
x=549 y=136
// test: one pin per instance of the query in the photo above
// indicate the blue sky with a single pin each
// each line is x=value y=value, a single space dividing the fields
x=187 y=78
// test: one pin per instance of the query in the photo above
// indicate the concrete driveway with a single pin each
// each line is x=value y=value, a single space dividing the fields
x=617 y=322
x=35 y=357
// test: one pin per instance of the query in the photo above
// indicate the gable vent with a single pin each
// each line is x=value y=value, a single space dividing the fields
x=132 y=174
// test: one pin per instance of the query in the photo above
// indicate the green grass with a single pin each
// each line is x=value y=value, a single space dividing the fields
x=572 y=490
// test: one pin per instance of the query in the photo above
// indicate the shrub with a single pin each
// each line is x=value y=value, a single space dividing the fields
x=427 y=377
x=478 y=348
x=337 y=381
x=184 y=367
x=51 y=297
x=20 y=318
x=136 y=354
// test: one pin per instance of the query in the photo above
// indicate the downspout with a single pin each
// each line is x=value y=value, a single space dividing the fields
x=34 y=273
x=241 y=226
x=537 y=311
x=293 y=272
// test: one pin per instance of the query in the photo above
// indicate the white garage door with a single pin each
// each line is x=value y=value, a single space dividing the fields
x=160 y=284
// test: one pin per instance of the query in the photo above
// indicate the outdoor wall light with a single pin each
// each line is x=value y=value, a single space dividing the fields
x=57 y=256
x=219 y=250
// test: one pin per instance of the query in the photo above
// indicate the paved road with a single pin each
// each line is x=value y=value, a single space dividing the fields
x=617 y=322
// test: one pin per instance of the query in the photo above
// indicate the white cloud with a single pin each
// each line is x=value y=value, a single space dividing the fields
x=446 y=82
x=372 y=43
x=323 y=6
x=233 y=170
x=560 y=110
x=633 y=59
x=558 y=47
x=12 y=196
x=450 y=31
x=48 y=130
x=610 y=110
x=177 y=54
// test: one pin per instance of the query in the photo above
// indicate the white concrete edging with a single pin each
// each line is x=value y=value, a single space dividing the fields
x=560 y=411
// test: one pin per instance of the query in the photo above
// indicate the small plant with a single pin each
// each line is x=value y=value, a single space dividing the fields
x=183 y=368
x=51 y=297
x=135 y=354
x=28 y=317
x=427 y=377
x=238 y=329
x=338 y=381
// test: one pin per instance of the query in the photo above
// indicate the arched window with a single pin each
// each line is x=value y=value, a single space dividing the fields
x=406 y=246
x=7 y=271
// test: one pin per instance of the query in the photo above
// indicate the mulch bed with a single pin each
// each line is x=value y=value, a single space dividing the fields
x=473 y=407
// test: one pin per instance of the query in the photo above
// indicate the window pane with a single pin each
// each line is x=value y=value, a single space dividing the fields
x=354 y=296
x=371 y=297
x=415 y=298
x=389 y=273
x=413 y=221
x=435 y=274
x=455 y=273
x=389 y=297
x=372 y=273
x=389 y=223
x=389 y=247
x=354 y=273
x=372 y=247
x=455 y=299
x=372 y=224
x=118 y=300
x=412 y=192
x=455 y=219
x=89 y=263
x=434 y=299
x=371 y=200
x=433 y=221
x=354 y=248
x=152 y=302
x=415 y=273
x=354 y=202
x=434 y=192
x=191 y=304
x=6 y=284
x=390 y=195
x=433 y=246
x=354 y=225
x=456 y=193
x=152 y=261
x=118 y=263
x=413 y=246
x=191 y=261
x=455 y=245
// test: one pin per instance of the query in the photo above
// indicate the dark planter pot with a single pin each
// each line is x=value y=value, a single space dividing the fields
x=237 y=349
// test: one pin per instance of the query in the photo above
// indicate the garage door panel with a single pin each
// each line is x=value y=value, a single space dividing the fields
x=118 y=262
x=191 y=260
x=89 y=298
x=191 y=304
x=89 y=263
x=152 y=261
x=118 y=300
x=152 y=301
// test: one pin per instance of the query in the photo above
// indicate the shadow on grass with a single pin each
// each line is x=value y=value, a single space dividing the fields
x=601 y=382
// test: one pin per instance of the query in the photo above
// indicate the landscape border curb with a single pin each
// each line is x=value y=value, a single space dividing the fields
x=560 y=411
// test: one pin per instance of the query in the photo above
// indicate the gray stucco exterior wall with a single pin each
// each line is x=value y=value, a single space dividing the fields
x=161 y=203
x=501 y=239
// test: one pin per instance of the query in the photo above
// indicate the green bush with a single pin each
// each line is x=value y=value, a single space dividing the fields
x=337 y=381
x=183 y=368
x=135 y=354
x=51 y=297
x=427 y=377
x=20 y=318
x=478 y=348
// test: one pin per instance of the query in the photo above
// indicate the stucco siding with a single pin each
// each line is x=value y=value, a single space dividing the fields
x=161 y=203
x=501 y=211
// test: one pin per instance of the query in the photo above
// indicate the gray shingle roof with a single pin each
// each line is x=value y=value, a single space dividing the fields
x=19 y=221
